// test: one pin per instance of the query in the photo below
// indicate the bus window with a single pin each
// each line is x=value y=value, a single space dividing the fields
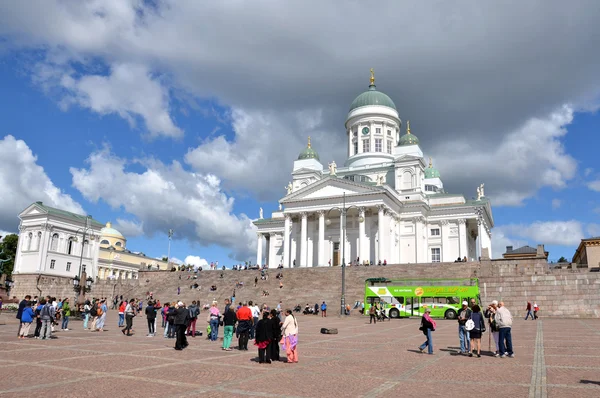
x=453 y=300
x=373 y=300
x=399 y=300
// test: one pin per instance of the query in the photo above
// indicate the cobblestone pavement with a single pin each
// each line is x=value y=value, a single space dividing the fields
x=554 y=358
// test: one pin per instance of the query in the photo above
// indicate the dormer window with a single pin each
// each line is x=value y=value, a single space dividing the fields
x=377 y=130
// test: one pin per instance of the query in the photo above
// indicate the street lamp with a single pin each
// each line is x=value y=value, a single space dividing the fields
x=81 y=276
x=169 y=250
x=343 y=211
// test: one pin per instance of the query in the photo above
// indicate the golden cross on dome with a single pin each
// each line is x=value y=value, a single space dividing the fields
x=372 y=76
x=430 y=163
x=309 y=141
x=408 y=127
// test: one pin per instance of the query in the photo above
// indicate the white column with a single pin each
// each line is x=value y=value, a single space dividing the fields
x=287 y=226
x=462 y=238
x=259 y=249
x=321 y=253
x=350 y=138
x=446 y=242
x=380 y=225
x=480 y=232
x=303 y=239
x=361 y=235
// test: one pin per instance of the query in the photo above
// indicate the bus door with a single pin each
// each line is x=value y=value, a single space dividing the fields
x=409 y=306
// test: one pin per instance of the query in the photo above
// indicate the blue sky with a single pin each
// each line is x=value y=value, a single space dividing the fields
x=166 y=118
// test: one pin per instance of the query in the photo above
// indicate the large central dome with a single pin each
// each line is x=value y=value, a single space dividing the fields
x=372 y=97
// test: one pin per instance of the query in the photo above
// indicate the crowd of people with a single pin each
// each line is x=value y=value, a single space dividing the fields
x=471 y=326
x=269 y=328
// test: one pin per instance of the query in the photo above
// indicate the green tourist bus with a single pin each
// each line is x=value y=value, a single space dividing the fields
x=409 y=297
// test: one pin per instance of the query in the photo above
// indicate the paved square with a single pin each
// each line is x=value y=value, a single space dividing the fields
x=554 y=358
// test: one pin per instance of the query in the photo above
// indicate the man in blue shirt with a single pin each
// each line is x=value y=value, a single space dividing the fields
x=22 y=306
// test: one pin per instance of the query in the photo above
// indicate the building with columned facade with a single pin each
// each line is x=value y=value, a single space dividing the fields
x=396 y=207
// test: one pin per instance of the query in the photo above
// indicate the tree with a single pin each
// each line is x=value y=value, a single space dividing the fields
x=563 y=260
x=165 y=259
x=8 y=248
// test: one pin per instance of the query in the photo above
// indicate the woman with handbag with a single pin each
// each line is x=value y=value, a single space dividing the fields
x=427 y=326
x=477 y=331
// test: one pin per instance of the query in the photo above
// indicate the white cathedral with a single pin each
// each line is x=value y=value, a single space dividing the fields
x=386 y=204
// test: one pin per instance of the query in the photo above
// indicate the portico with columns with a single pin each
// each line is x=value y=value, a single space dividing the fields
x=395 y=206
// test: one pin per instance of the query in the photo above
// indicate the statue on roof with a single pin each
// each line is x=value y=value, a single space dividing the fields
x=260 y=213
x=380 y=180
x=289 y=188
x=332 y=168
x=280 y=207
x=480 y=192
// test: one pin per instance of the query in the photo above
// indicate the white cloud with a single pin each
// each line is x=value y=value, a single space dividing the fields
x=593 y=230
x=587 y=171
x=166 y=196
x=129 y=91
x=129 y=228
x=531 y=157
x=560 y=233
x=196 y=261
x=594 y=185
x=500 y=240
x=556 y=203
x=23 y=182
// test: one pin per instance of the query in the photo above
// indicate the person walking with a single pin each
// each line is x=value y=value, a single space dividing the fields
x=129 y=314
x=490 y=314
x=464 y=314
x=38 y=318
x=182 y=317
x=228 y=326
x=263 y=338
x=323 y=310
x=372 y=316
x=66 y=313
x=22 y=306
x=122 y=307
x=535 y=310
x=529 y=313
x=428 y=325
x=477 y=331
x=102 y=310
x=504 y=320
x=27 y=316
x=289 y=330
x=255 y=317
x=151 y=317
x=86 y=314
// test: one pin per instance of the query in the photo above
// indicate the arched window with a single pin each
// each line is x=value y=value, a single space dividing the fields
x=407 y=180
x=54 y=243
x=118 y=244
x=86 y=248
x=29 y=239
x=39 y=240
x=70 y=246
x=105 y=242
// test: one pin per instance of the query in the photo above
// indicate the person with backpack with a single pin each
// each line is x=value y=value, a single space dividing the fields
x=372 y=314
x=171 y=321
x=38 y=319
x=47 y=315
x=129 y=314
x=214 y=317
x=22 y=306
x=324 y=310
x=151 y=317
x=27 y=317
x=464 y=314
x=428 y=325
x=66 y=313
x=194 y=311
x=477 y=331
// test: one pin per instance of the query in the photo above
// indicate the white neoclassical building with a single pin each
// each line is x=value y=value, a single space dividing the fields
x=395 y=204
x=54 y=242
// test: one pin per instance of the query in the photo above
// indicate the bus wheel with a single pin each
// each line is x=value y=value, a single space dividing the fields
x=450 y=314
x=394 y=313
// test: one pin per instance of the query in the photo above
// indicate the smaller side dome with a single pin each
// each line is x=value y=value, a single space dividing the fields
x=431 y=172
x=408 y=138
x=308 y=153
x=110 y=231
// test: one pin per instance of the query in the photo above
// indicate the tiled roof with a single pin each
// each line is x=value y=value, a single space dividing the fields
x=67 y=214
x=523 y=250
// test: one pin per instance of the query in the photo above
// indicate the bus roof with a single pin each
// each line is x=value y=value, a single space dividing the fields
x=426 y=281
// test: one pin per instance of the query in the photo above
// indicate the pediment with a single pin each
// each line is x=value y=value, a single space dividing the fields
x=305 y=170
x=331 y=187
x=407 y=158
x=33 y=210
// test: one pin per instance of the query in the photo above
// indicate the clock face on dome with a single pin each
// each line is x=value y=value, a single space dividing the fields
x=365 y=130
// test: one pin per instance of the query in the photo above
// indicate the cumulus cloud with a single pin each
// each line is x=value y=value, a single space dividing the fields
x=167 y=196
x=594 y=185
x=129 y=228
x=196 y=261
x=458 y=86
x=560 y=233
x=23 y=182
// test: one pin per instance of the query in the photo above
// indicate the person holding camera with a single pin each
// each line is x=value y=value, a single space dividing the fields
x=490 y=314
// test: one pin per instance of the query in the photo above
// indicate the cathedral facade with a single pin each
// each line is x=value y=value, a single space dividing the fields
x=386 y=204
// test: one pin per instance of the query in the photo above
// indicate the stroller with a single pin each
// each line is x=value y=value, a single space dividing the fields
x=381 y=315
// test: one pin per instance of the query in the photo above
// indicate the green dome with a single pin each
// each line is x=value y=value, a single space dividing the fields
x=308 y=153
x=431 y=172
x=408 y=138
x=372 y=97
